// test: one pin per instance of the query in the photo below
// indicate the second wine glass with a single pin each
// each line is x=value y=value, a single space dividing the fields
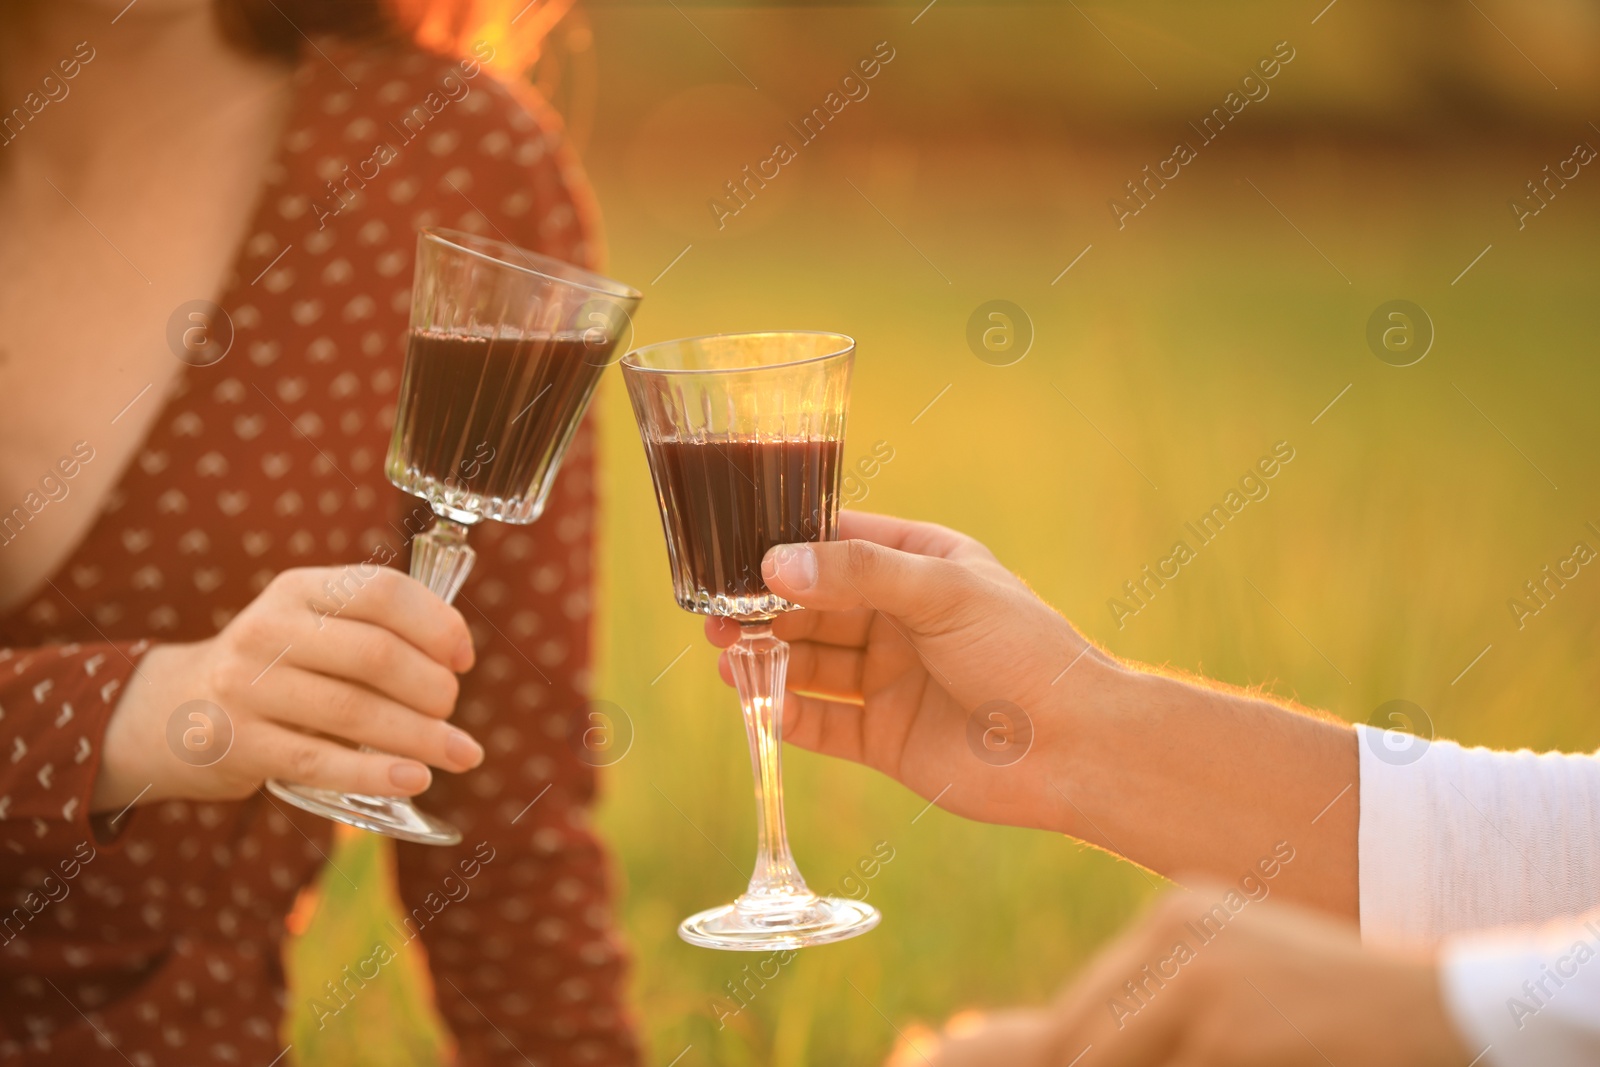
x=503 y=353
x=744 y=434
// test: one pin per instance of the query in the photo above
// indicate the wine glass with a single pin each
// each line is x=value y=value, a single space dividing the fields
x=743 y=433
x=504 y=350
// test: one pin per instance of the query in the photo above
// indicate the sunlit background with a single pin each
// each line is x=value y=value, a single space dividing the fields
x=1167 y=350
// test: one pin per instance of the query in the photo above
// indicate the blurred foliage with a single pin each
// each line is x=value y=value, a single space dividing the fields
x=1223 y=318
x=1411 y=72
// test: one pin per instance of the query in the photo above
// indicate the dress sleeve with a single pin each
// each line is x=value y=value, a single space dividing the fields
x=1454 y=839
x=1527 y=996
x=55 y=702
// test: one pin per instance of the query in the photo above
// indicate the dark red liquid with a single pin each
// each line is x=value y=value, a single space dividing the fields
x=491 y=416
x=725 y=503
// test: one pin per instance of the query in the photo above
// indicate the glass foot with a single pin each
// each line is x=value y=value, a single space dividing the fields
x=393 y=816
x=794 y=923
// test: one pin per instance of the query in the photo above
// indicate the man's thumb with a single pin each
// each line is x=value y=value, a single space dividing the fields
x=840 y=575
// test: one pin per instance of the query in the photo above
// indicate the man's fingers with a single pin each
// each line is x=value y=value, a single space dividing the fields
x=831 y=727
x=907 y=535
x=378 y=658
x=824 y=670
x=305 y=760
x=721 y=630
x=844 y=575
x=1132 y=1024
x=351 y=712
x=824 y=726
x=1016 y=1038
x=847 y=628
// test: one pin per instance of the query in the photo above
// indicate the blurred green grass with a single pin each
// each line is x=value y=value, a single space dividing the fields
x=1189 y=343
x=1392 y=541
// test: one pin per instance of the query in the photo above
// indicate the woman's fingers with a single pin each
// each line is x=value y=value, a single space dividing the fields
x=311 y=701
x=304 y=760
x=385 y=597
x=379 y=659
x=324 y=659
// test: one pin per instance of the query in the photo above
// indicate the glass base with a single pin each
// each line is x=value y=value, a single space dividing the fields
x=778 y=924
x=392 y=816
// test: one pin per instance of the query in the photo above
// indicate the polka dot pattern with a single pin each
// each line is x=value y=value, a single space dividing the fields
x=164 y=941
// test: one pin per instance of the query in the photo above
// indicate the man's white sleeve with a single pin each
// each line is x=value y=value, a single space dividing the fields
x=1493 y=858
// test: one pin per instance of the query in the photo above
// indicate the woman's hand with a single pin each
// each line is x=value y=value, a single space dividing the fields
x=918 y=654
x=1276 y=986
x=324 y=655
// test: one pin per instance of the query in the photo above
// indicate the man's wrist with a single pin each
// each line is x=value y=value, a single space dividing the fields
x=1099 y=714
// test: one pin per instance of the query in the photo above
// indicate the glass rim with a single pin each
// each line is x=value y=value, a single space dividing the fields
x=847 y=347
x=461 y=241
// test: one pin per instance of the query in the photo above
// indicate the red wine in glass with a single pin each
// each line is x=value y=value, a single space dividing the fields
x=726 y=502
x=486 y=417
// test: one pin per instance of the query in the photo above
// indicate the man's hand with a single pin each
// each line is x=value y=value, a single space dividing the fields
x=918 y=654
x=1274 y=986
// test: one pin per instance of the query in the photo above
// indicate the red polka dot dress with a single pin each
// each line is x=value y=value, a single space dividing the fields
x=160 y=938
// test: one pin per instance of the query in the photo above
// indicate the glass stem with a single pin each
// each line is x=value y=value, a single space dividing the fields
x=760 y=661
x=441 y=559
